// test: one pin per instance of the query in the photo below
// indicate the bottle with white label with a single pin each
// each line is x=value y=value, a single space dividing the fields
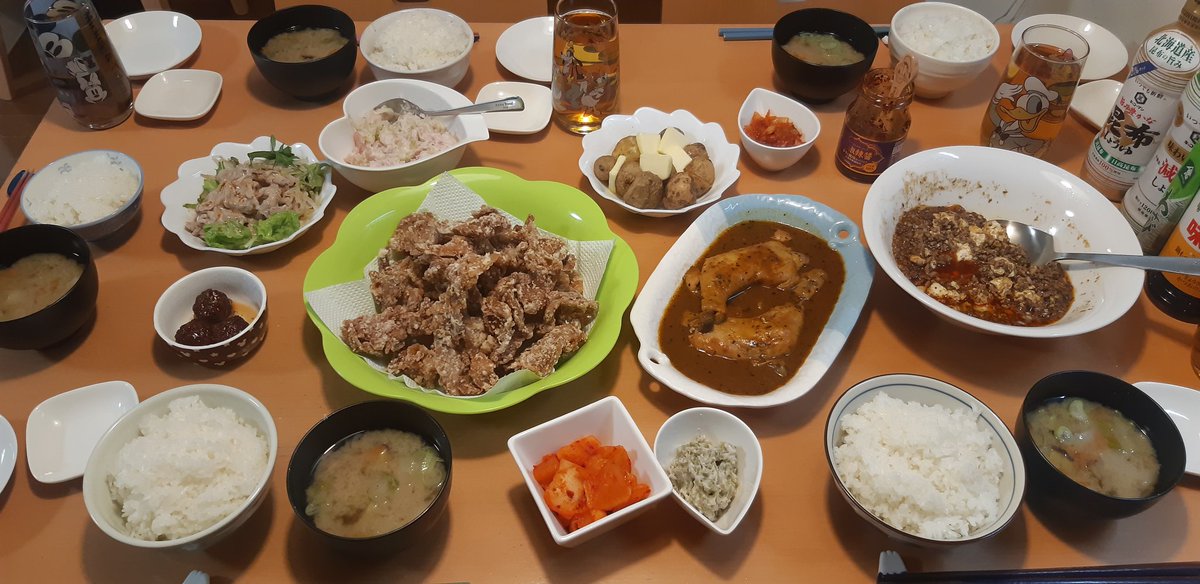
x=1158 y=74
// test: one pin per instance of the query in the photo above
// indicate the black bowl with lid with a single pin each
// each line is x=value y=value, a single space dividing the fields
x=66 y=315
x=310 y=80
x=821 y=83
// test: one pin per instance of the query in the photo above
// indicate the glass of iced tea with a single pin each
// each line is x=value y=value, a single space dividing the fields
x=586 y=73
x=1029 y=107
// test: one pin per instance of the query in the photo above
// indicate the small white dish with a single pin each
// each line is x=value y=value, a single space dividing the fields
x=724 y=155
x=62 y=431
x=179 y=95
x=154 y=41
x=531 y=120
x=1107 y=55
x=609 y=421
x=527 y=47
x=774 y=158
x=718 y=426
x=1183 y=405
x=1093 y=102
x=8 y=452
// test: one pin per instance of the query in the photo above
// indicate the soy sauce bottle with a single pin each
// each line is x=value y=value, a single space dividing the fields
x=1178 y=295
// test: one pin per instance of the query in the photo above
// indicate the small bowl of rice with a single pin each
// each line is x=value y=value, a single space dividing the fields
x=183 y=469
x=93 y=193
x=923 y=461
x=951 y=44
x=419 y=43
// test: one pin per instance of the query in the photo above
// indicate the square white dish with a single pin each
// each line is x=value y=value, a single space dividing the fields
x=531 y=120
x=62 y=431
x=794 y=210
x=179 y=95
x=609 y=421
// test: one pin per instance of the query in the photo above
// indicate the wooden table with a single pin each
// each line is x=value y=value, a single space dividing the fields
x=799 y=528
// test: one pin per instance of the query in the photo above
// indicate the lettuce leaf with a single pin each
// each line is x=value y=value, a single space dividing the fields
x=276 y=227
x=228 y=235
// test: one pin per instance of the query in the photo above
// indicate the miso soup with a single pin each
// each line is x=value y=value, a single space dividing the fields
x=822 y=49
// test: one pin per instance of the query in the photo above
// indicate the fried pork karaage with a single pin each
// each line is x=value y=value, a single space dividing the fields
x=462 y=305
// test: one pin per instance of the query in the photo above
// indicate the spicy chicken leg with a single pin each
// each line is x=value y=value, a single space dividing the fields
x=766 y=336
x=722 y=276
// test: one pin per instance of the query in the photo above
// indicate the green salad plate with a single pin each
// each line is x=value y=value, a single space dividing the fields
x=558 y=208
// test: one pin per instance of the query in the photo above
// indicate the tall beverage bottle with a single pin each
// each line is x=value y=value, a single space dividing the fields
x=1158 y=74
x=80 y=61
x=1178 y=295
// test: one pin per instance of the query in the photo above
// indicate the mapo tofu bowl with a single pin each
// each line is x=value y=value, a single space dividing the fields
x=998 y=184
x=682 y=348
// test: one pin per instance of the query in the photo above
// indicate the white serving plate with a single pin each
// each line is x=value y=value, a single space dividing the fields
x=1183 y=405
x=718 y=426
x=531 y=120
x=723 y=154
x=1093 y=102
x=794 y=210
x=187 y=187
x=154 y=41
x=1106 y=53
x=179 y=95
x=62 y=431
x=8 y=452
x=526 y=48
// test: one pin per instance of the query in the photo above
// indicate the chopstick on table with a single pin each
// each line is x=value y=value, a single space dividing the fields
x=15 y=186
x=765 y=34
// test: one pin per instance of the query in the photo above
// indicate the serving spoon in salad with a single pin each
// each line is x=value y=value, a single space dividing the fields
x=403 y=106
x=1039 y=248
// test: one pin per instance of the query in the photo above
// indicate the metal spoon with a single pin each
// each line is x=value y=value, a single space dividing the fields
x=1039 y=248
x=508 y=104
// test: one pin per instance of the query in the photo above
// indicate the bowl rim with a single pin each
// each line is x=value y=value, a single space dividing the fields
x=373 y=30
x=134 y=199
x=174 y=289
x=781 y=149
x=935 y=7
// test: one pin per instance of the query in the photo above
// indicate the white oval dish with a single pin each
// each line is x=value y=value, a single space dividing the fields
x=154 y=41
x=448 y=74
x=533 y=119
x=793 y=210
x=1183 y=405
x=179 y=95
x=1107 y=55
x=1000 y=184
x=718 y=426
x=8 y=452
x=723 y=154
x=187 y=187
x=1093 y=102
x=773 y=158
x=62 y=431
x=527 y=47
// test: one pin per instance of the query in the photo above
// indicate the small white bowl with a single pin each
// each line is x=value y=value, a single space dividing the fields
x=609 y=421
x=39 y=186
x=154 y=41
x=8 y=452
x=98 y=499
x=928 y=391
x=174 y=308
x=337 y=139
x=723 y=154
x=179 y=95
x=531 y=120
x=937 y=77
x=448 y=74
x=1107 y=55
x=774 y=157
x=186 y=189
x=1000 y=184
x=1183 y=405
x=718 y=426
x=1093 y=102
x=62 y=431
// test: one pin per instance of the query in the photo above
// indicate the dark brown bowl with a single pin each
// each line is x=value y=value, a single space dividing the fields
x=821 y=83
x=1049 y=491
x=311 y=80
x=66 y=315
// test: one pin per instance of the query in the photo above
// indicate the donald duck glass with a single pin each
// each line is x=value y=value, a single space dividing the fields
x=586 y=72
x=1030 y=105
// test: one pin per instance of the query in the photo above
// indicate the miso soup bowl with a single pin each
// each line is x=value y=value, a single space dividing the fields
x=1054 y=493
x=821 y=83
x=61 y=318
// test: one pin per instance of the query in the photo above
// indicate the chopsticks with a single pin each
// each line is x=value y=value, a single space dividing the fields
x=1127 y=574
x=15 y=186
x=764 y=34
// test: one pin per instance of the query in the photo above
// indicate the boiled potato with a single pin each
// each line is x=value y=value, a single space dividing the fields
x=603 y=166
x=679 y=192
x=629 y=171
x=628 y=148
x=696 y=150
x=645 y=192
x=703 y=175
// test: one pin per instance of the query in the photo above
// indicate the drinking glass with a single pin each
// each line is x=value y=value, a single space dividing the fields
x=586 y=72
x=1029 y=107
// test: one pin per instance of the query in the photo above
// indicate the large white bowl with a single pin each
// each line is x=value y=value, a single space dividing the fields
x=1000 y=184
x=793 y=210
x=448 y=74
x=186 y=189
x=98 y=499
x=337 y=139
x=724 y=155
x=938 y=77
x=774 y=158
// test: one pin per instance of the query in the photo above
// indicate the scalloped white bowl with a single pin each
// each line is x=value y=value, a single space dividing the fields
x=186 y=189
x=723 y=154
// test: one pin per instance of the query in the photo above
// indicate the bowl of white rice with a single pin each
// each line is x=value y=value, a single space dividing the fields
x=951 y=44
x=419 y=43
x=93 y=193
x=183 y=469
x=924 y=461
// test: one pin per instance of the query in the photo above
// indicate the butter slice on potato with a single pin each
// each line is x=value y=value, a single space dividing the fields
x=657 y=164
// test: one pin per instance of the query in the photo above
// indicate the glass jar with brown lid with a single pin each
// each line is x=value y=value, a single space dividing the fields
x=876 y=124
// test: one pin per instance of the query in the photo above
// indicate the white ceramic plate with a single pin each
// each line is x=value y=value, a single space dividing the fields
x=718 y=426
x=187 y=187
x=1183 y=405
x=724 y=155
x=1106 y=53
x=152 y=42
x=8 y=452
x=1000 y=184
x=531 y=120
x=793 y=210
x=1093 y=102
x=179 y=95
x=62 y=431
x=527 y=47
